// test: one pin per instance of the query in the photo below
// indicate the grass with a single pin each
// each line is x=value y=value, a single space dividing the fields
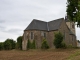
x=72 y=56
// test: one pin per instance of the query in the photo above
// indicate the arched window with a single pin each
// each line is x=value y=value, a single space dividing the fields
x=43 y=34
x=31 y=35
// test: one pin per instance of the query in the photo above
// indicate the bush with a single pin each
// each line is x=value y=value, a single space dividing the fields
x=63 y=45
x=28 y=44
x=44 y=44
x=19 y=42
x=33 y=46
x=9 y=44
x=58 y=40
x=1 y=46
x=70 y=46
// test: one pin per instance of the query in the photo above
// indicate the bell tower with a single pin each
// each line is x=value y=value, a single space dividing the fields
x=70 y=24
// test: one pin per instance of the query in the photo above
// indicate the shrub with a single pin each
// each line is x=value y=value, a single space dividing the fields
x=19 y=42
x=13 y=43
x=58 y=40
x=44 y=44
x=63 y=45
x=33 y=46
x=9 y=44
x=70 y=46
x=28 y=44
x=1 y=46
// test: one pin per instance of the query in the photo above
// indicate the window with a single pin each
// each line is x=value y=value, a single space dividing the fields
x=43 y=34
x=31 y=35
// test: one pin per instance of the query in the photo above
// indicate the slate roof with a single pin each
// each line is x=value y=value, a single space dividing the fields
x=37 y=24
x=55 y=24
x=42 y=25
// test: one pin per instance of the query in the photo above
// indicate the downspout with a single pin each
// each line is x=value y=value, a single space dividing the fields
x=47 y=26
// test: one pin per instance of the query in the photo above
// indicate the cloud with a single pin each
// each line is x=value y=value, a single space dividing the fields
x=2 y=21
x=2 y=28
x=14 y=31
x=5 y=35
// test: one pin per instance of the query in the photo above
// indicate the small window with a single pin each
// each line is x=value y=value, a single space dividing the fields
x=43 y=34
x=31 y=35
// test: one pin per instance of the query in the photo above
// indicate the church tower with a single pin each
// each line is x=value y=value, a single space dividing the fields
x=70 y=24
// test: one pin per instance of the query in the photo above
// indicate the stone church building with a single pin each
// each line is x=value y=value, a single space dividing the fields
x=38 y=30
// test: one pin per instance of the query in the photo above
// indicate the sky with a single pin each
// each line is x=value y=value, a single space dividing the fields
x=16 y=15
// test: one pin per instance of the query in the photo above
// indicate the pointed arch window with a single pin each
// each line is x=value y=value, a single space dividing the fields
x=43 y=34
x=31 y=35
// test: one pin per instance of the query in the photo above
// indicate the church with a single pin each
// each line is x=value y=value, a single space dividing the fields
x=38 y=30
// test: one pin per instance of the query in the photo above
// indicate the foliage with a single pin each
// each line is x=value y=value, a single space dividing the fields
x=73 y=11
x=58 y=40
x=13 y=43
x=33 y=45
x=63 y=45
x=70 y=46
x=9 y=44
x=28 y=44
x=19 y=42
x=78 y=41
x=44 y=44
x=1 y=46
x=72 y=56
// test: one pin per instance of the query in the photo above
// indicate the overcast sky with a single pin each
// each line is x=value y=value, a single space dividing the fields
x=15 y=15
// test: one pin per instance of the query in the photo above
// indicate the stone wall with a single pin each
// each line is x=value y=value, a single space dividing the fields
x=68 y=39
x=69 y=24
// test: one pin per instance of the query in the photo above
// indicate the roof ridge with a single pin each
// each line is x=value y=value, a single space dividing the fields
x=38 y=20
x=57 y=19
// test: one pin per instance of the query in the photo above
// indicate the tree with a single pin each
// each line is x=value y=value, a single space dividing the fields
x=78 y=41
x=13 y=43
x=19 y=42
x=9 y=44
x=58 y=40
x=73 y=11
x=44 y=44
